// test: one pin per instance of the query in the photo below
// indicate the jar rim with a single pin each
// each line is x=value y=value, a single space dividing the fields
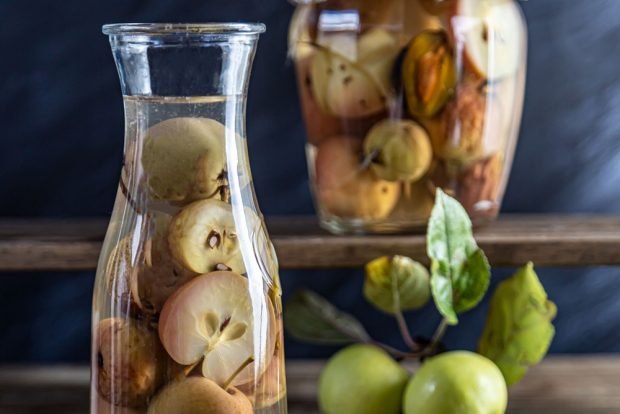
x=200 y=29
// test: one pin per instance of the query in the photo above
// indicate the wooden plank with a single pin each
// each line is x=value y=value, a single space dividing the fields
x=300 y=244
x=512 y=240
x=561 y=385
x=48 y=244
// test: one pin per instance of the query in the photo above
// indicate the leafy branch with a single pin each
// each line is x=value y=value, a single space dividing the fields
x=518 y=330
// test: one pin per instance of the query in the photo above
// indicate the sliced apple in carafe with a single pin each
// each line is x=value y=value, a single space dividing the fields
x=491 y=34
x=203 y=237
x=213 y=321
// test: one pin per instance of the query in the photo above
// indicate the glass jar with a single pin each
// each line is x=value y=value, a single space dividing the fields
x=401 y=97
x=186 y=309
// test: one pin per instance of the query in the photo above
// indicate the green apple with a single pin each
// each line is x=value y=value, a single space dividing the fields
x=457 y=382
x=362 y=379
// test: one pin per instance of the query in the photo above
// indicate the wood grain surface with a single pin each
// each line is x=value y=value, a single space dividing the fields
x=560 y=385
x=301 y=244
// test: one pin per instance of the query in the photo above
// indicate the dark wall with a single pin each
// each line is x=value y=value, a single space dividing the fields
x=62 y=132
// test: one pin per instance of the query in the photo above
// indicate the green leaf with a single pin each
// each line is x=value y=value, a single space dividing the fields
x=397 y=283
x=310 y=317
x=518 y=330
x=460 y=272
x=472 y=282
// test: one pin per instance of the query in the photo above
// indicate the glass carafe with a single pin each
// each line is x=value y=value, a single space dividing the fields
x=186 y=308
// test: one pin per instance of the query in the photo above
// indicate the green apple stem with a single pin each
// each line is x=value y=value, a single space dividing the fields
x=438 y=335
x=396 y=353
x=400 y=319
x=234 y=374
x=404 y=331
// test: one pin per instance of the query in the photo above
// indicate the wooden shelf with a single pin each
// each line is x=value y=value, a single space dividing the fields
x=512 y=240
x=560 y=385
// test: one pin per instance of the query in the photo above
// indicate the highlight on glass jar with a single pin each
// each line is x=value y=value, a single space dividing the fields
x=402 y=97
x=187 y=315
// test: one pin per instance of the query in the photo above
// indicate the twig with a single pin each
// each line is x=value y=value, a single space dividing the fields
x=404 y=331
x=438 y=335
x=396 y=353
x=188 y=369
x=234 y=374
x=400 y=318
x=368 y=159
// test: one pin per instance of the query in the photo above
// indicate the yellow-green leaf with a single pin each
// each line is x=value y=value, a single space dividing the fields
x=396 y=283
x=518 y=330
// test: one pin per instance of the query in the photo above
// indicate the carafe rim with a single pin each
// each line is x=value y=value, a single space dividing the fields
x=198 y=29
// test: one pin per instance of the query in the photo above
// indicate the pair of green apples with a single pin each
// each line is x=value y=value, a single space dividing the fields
x=363 y=379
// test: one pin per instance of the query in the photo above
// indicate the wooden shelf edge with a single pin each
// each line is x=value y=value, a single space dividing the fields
x=561 y=384
x=71 y=245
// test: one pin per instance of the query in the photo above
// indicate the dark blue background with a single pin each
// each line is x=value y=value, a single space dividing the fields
x=61 y=132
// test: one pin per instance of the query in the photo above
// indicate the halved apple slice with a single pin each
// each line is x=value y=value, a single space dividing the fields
x=355 y=85
x=342 y=88
x=212 y=318
x=492 y=34
x=203 y=237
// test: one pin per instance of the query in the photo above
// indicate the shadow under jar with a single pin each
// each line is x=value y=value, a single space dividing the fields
x=401 y=97
x=186 y=307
